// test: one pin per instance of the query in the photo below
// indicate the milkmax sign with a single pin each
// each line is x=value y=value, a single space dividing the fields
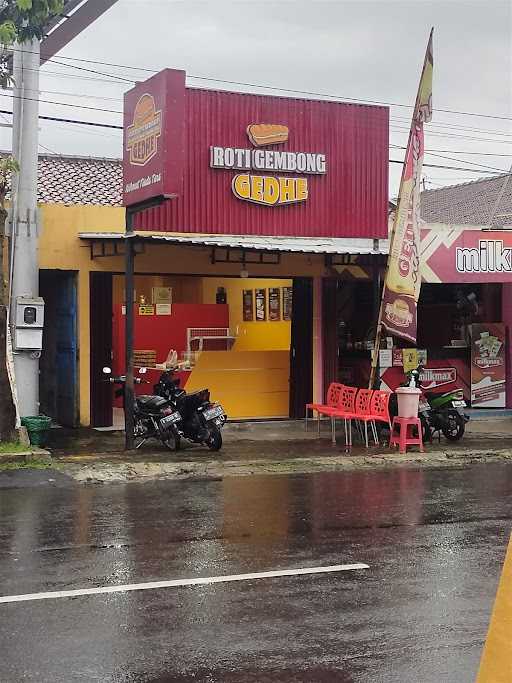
x=491 y=256
x=465 y=255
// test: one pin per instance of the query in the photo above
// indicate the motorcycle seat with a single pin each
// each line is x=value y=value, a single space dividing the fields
x=150 y=402
x=429 y=395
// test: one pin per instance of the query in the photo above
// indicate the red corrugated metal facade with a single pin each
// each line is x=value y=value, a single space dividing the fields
x=349 y=200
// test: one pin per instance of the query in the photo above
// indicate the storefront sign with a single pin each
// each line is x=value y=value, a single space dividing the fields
x=465 y=255
x=488 y=365
x=153 y=149
x=268 y=190
x=403 y=280
x=438 y=377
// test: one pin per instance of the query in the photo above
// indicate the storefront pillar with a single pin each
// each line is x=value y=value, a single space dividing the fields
x=506 y=317
x=318 y=342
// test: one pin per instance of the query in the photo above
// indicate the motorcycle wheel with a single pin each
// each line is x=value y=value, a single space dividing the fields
x=172 y=443
x=454 y=426
x=214 y=441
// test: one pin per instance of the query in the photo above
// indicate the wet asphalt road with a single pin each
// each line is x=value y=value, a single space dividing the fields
x=434 y=540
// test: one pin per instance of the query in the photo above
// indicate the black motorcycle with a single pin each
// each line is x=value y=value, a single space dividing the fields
x=202 y=419
x=154 y=417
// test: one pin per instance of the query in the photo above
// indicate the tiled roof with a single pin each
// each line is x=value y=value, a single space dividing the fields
x=470 y=203
x=80 y=180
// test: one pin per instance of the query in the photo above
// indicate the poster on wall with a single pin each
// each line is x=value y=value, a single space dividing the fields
x=287 y=303
x=274 y=303
x=488 y=365
x=161 y=295
x=261 y=313
x=248 y=305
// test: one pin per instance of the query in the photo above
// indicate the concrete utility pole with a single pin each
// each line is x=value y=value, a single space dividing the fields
x=24 y=240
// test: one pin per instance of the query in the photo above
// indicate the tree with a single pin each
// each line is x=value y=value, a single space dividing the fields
x=20 y=20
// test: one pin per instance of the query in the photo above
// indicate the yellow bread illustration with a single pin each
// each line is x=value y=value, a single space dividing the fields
x=267 y=134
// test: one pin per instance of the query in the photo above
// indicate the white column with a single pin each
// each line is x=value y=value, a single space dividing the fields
x=25 y=275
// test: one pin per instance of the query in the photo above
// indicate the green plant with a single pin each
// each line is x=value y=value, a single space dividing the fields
x=13 y=447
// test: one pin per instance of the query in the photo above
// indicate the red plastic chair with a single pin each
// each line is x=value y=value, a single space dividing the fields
x=379 y=410
x=333 y=395
x=345 y=410
x=363 y=412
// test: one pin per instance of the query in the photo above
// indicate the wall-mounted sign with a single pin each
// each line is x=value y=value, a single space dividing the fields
x=488 y=365
x=287 y=303
x=261 y=134
x=163 y=309
x=154 y=138
x=161 y=295
x=274 y=303
x=465 y=255
x=261 y=309
x=146 y=309
x=248 y=305
x=268 y=190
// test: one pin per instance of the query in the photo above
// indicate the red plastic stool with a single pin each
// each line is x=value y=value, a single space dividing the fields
x=404 y=437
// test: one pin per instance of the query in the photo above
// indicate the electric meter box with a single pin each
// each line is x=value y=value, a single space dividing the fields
x=29 y=323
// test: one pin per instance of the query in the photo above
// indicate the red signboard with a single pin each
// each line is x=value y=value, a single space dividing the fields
x=437 y=377
x=153 y=141
x=460 y=255
x=264 y=165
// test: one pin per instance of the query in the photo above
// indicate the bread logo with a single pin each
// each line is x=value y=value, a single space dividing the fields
x=261 y=134
x=399 y=313
x=142 y=136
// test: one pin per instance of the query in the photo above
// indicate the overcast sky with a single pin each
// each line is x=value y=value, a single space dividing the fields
x=363 y=50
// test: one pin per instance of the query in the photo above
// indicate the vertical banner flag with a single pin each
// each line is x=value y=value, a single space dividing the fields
x=403 y=280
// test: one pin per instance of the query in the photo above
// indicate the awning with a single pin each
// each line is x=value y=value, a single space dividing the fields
x=302 y=245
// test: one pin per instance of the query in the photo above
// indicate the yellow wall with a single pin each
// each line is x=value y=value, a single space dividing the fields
x=248 y=384
x=250 y=336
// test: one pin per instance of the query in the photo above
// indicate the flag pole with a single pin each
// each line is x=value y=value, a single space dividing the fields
x=378 y=332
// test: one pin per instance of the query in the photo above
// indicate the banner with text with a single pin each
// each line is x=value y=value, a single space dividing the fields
x=403 y=280
x=488 y=365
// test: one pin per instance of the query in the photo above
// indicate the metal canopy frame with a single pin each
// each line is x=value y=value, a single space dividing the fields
x=244 y=256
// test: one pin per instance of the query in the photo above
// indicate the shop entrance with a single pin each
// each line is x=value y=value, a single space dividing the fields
x=58 y=385
x=231 y=334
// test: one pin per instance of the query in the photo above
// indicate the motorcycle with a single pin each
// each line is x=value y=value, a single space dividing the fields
x=441 y=413
x=154 y=417
x=202 y=420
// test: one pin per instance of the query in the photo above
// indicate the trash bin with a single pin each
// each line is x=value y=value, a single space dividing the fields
x=37 y=428
x=408 y=401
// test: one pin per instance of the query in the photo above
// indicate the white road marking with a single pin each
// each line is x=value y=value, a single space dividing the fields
x=204 y=581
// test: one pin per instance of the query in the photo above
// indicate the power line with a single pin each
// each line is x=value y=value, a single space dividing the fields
x=260 y=86
x=114 y=127
x=453 y=151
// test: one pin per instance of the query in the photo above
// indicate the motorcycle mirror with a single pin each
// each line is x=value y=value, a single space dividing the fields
x=142 y=371
x=107 y=370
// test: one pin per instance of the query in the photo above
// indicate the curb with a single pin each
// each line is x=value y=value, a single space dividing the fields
x=125 y=471
x=39 y=454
